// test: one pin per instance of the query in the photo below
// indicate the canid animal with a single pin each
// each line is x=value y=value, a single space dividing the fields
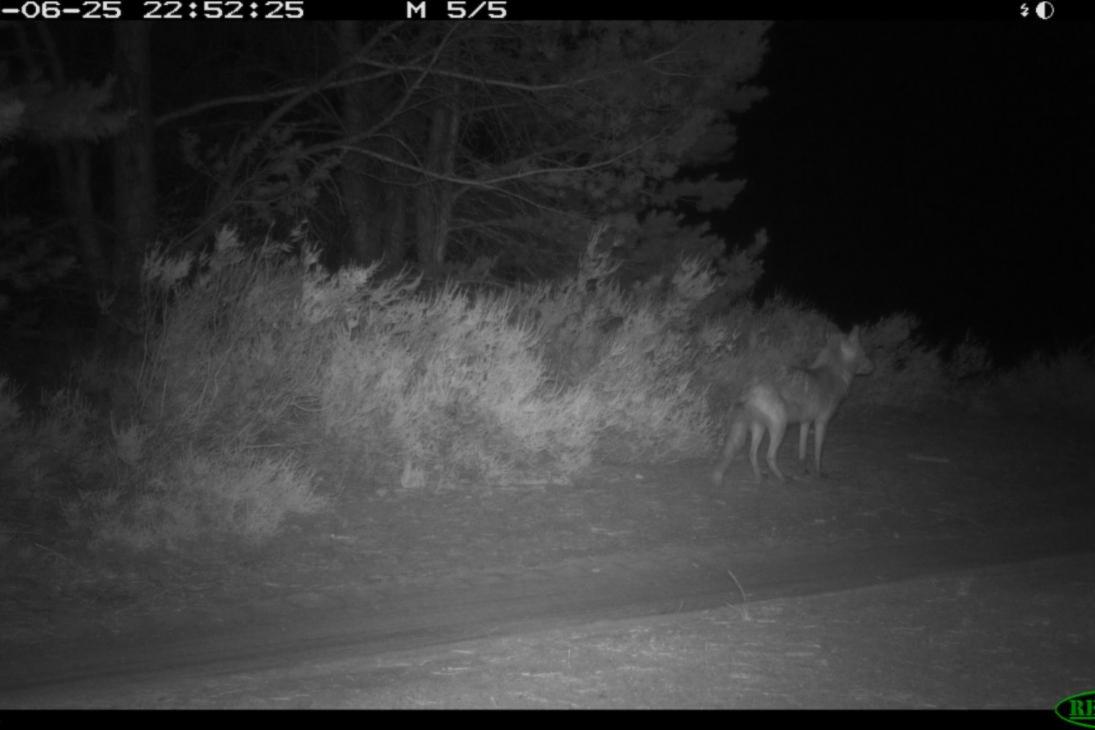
x=803 y=396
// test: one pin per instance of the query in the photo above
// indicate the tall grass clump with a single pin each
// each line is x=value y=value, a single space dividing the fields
x=232 y=353
x=44 y=457
x=234 y=494
x=448 y=388
x=456 y=387
x=236 y=351
x=635 y=351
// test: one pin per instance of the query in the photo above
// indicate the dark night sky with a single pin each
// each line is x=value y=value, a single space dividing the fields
x=946 y=169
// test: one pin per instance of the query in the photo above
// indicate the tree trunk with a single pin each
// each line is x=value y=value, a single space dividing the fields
x=134 y=172
x=74 y=173
x=73 y=160
x=435 y=197
x=357 y=199
x=395 y=235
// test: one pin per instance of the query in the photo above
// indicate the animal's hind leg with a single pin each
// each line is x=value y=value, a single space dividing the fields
x=734 y=442
x=775 y=438
x=803 y=433
x=819 y=442
x=756 y=434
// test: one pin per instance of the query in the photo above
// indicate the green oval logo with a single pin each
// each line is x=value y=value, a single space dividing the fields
x=1079 y=709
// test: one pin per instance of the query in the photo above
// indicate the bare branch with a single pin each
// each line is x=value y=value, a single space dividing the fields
x=485 y=81
x=297 y=93
x=490 y=183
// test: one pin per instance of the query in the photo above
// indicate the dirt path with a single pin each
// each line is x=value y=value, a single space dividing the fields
x=924 y=642
x=657 y=559
x=152 y=668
